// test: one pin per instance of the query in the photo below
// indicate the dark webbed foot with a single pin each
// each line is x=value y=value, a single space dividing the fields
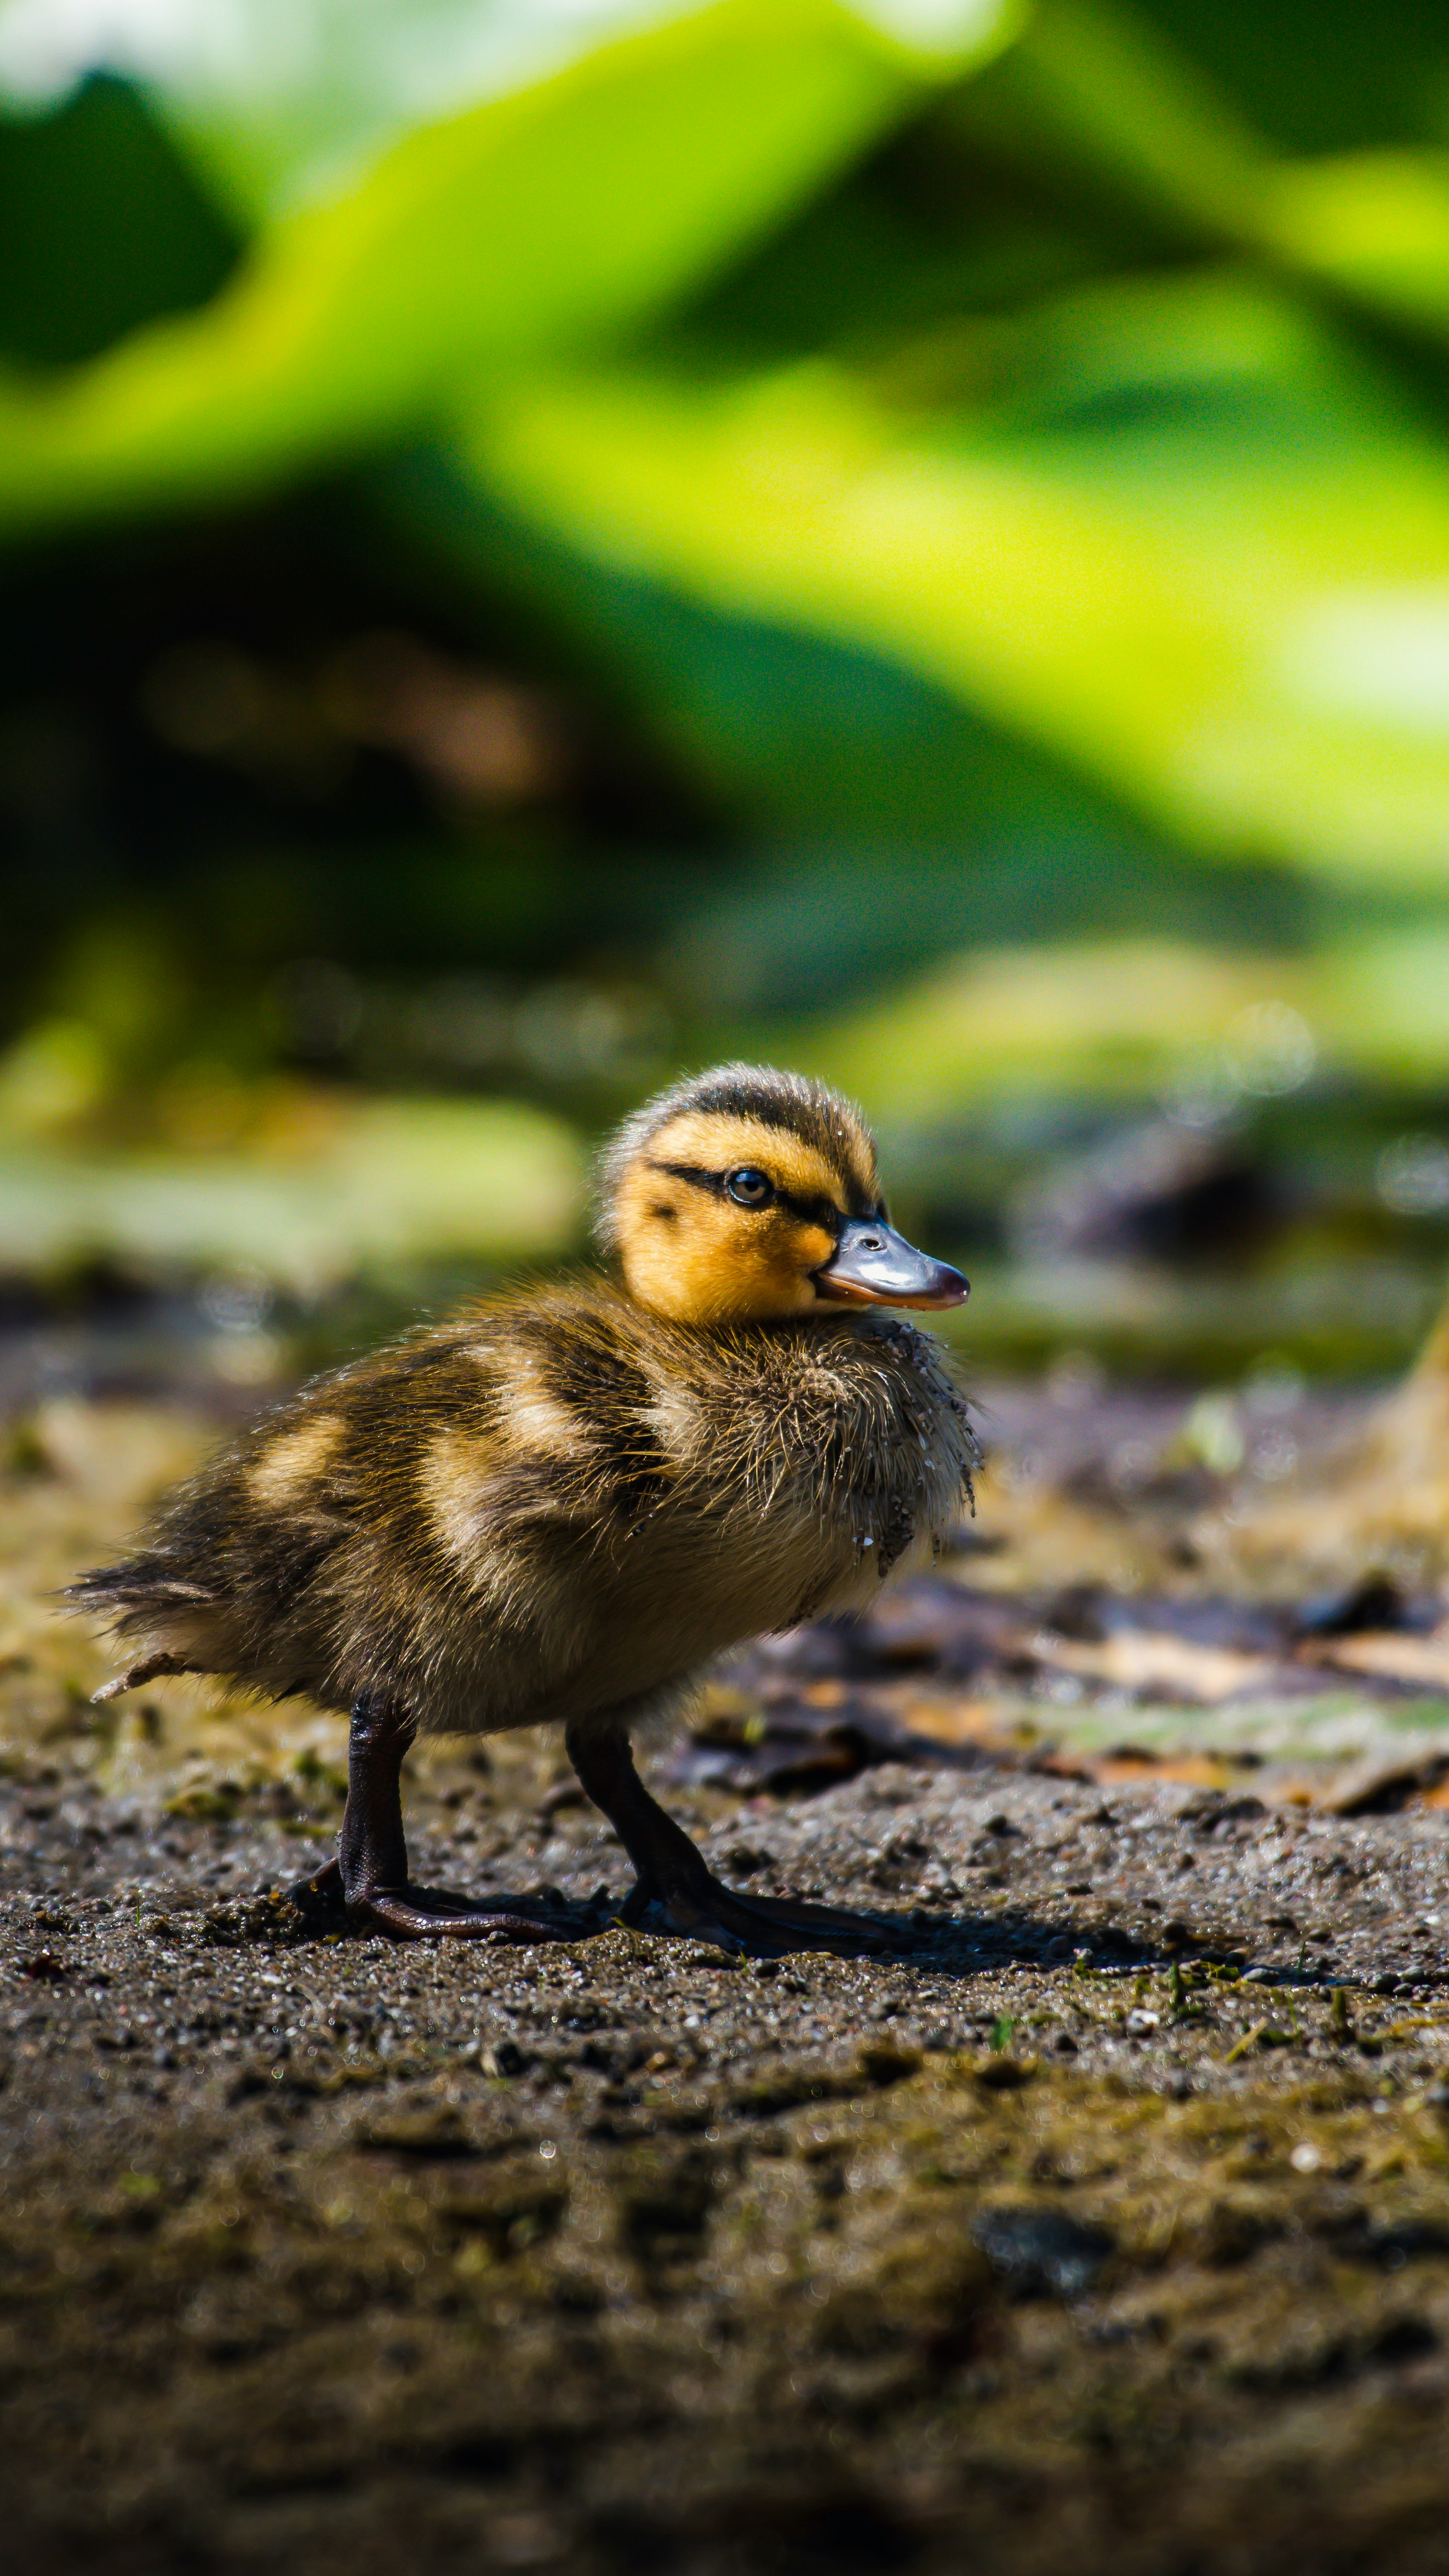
x=676 y=1878
x=431 y=1914
x=422 y=1913
x=367 y=1885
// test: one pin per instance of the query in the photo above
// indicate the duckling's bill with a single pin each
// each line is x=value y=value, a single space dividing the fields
x=872 y=1265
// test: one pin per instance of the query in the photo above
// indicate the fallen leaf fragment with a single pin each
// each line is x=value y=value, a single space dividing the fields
x=1391 y=1656
x=1147 y=1660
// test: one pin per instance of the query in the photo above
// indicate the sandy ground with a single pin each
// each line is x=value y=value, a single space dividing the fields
x=1102 y=2219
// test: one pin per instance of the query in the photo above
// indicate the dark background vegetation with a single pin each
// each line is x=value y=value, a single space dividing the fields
x=406 y=700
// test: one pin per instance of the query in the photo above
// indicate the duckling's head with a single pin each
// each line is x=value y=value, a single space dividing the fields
x=744 y=1194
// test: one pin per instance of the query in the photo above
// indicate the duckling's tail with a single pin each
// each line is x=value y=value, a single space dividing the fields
x=142 y=1598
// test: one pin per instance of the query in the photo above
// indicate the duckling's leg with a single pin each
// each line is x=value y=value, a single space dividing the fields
x=370 y=1872
x=674 y=1875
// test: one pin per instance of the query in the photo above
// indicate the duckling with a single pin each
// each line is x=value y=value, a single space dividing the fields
x=560 y=1505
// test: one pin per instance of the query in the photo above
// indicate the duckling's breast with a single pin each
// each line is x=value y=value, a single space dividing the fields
x=835 y=1452
x=650 y=1496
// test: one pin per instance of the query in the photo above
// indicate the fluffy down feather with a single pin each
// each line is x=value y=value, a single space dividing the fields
x=549 y=1508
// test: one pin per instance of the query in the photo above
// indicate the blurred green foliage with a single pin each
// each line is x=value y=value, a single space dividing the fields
x=104 y=230
x=1103 y=394
x=303 y=1197
x=554 y=216
x=540 y=543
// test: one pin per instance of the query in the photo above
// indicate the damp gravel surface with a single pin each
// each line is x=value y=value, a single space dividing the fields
x=1082 y=2215
x=1095 y=2215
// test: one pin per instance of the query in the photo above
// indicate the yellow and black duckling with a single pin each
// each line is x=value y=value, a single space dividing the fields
x=560 y=1505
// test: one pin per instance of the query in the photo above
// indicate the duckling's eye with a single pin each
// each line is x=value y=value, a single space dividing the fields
x=749 y=1188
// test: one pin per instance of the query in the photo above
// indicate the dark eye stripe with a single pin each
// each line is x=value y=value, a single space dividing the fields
x=819 y=1211
x=697 y=1177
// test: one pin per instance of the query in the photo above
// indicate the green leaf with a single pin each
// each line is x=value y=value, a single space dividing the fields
x=1113 y=1017
x=104 y=228
x=547 y=219
x=1375 y=224
x=289 y=101
x=1093 y=96
x=1133 y=1017
x=383 y=1183
x=1178 y=534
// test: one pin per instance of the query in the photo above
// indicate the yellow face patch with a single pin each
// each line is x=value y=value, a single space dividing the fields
x=691 y=1251
x=707 y=1141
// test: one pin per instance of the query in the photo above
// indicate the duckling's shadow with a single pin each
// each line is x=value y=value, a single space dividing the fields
x=954 y=1945
x=965 y=1945
x=851 y=1934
